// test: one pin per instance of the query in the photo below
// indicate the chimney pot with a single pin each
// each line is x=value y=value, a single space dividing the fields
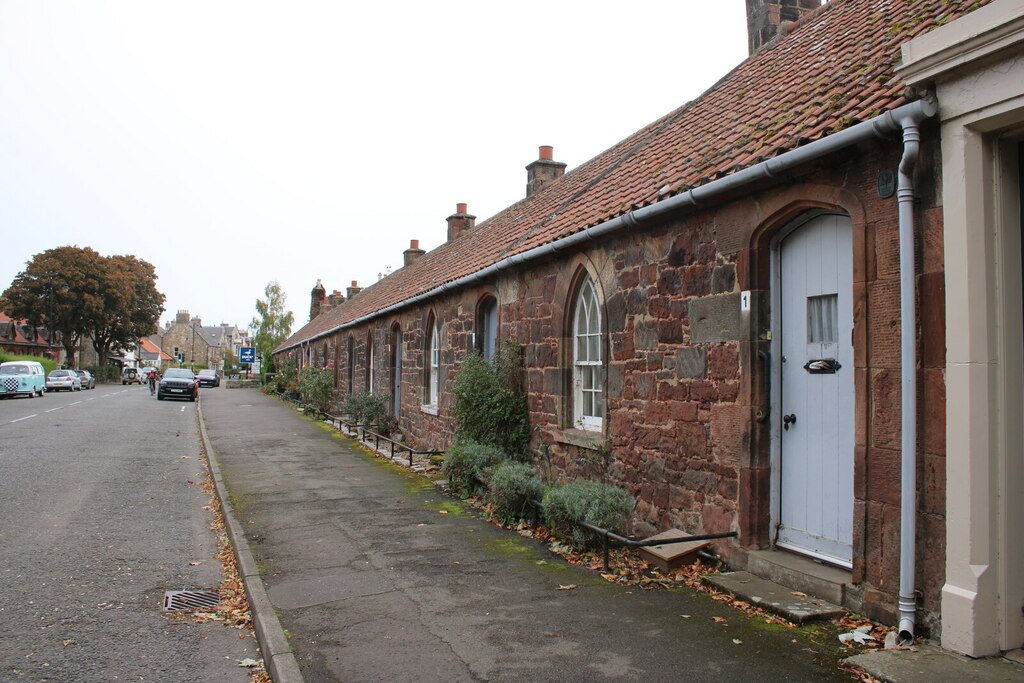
x=543 y=171
x=412 y=253
x=460 y=221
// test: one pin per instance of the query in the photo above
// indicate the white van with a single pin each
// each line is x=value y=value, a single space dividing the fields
x=25 y=377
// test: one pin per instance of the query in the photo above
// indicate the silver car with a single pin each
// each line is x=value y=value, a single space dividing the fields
x=59 y=380
x=86 y=379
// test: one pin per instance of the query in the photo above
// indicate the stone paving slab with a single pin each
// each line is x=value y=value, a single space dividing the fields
x=930 y=663
x=797 y=608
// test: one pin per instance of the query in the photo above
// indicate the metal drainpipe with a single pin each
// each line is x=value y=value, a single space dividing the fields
x=908 y=377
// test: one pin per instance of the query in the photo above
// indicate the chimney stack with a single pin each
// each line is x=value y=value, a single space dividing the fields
x=353 y=290
x=336 y=298
x=413 y=252
x=542 y=172
x=316 y=299
x=460 y=222
x=768 y=19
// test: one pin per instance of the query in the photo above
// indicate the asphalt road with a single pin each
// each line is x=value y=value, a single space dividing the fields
x=98 y=518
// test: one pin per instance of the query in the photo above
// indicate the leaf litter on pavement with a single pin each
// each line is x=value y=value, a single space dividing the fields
x=233 y=609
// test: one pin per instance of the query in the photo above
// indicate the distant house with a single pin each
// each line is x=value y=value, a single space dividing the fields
x=22 y=339
x=186 y=337
x=149 y=354
x=791 y=309
x=227 y=339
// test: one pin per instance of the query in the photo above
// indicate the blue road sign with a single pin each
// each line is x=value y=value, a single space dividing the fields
x=247 y=354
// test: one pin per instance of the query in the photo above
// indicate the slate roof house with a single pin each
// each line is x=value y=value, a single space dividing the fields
x=19 y=338
x=791 y=308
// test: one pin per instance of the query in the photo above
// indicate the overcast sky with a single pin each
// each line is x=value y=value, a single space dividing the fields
x=234 y=143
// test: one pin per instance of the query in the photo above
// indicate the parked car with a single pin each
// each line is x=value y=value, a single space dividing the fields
x=24 y=377
x=131 y=376
x=67 y=380
x=178 y=383
x=86 y=378
x=209 y=378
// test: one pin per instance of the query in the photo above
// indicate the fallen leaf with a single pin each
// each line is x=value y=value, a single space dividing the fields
x=799 y=594
x=556 y=635
x=569 y=587
x=248 y=662
x=186 y=457
x=718 y=620
x=737 y=641
x=685 y=616
x=442 y=512
x=69 y=641
x=193 y=564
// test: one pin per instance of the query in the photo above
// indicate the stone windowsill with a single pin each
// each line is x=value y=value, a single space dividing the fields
x=429 y=410
x=581 y=437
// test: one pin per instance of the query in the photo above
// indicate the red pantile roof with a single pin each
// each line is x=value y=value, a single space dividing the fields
x=835 y=69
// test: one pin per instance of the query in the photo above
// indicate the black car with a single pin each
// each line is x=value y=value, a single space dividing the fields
x=208 y=378
x=178 y=383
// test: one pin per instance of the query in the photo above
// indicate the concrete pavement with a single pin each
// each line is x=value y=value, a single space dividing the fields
x=376 y=575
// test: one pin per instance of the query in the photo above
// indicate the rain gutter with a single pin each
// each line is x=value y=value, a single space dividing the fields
x=878 y=127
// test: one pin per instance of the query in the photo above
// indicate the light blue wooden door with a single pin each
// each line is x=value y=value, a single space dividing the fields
x=817 y=392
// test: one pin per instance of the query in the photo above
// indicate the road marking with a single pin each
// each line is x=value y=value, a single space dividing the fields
x=53 y=409
x=183 y=409
x=75 y=403
x=24 y=418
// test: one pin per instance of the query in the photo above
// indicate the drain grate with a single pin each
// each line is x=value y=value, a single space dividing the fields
x=190 y=601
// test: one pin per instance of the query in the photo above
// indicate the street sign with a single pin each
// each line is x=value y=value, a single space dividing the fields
x=247 y=354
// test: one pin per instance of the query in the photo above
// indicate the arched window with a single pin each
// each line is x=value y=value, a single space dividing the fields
x=588 y=369
x=351 y=364
x=487 y=328
x=433 y=358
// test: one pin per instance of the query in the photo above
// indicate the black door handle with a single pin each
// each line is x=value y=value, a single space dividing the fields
x=788 y=420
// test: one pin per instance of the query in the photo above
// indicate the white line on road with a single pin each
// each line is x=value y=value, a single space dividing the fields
x=75 y=403
x=24 y=418
x=53 y=409
x=183 y=409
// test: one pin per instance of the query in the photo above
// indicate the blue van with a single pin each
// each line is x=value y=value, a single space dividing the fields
x=25 y=377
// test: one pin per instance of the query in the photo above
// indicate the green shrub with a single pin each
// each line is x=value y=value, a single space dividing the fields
x=287 y=376
x=599 y=504
x=467 y=464
x=317 y=386
x=369 y=409
x=48 y=364
x=511 y=487
x=490 y=404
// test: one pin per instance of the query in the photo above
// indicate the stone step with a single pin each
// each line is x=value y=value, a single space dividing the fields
x=786 y=602
x=800 y=574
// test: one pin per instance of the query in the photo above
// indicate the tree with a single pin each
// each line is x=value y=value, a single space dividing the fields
x=272 y=325
x=131 y=305
x=60 y=289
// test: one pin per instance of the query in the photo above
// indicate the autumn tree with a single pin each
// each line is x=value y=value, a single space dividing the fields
x=131 y=305
x=273 y=324
x=60 y=289
x=76 y=292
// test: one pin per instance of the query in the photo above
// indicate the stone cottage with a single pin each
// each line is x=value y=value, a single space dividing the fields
x=791 y=309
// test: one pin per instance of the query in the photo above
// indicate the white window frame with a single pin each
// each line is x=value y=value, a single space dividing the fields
x=587 y=362
x=369 y=365
x=434 y=358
